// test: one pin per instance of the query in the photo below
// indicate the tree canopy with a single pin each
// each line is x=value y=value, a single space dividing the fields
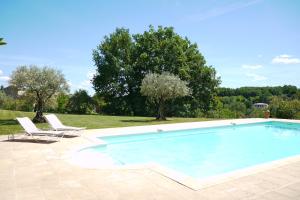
x=43 y=83
x=123 y=60
x=260 y=94
x=161 y=87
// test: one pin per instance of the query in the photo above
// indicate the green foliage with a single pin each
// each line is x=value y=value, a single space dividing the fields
x=11 y=91
x=6 y=102
x=288 y=109
x=297 y=115
x=274 y=105
x=260 y=94
x=42 y=83
x=283 y=101
x=80 y=103
x=25 y=103
x=113 y=60
x=285 y=108
x=58 y=103
x=233 y=107
x=161 y=87
x=2 y=41
x=62 y=100
x=257 y=113
x=225 y=113
x=99 y=103
x=123 y=60
x=10 y=100
x=289 y=90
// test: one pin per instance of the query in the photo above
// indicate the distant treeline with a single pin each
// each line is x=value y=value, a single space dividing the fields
x=262 y=92
x=284 y=102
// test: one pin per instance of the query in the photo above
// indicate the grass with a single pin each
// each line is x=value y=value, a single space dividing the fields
x=9 y=125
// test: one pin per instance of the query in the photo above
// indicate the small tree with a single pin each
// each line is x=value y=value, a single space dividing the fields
x=43 y=83
x=161 y=87
x=62 y=101
x=99 y=102
x=2 y=41
x=80 y=102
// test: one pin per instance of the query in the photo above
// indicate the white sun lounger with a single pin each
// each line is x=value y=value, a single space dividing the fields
x=32 y=130
x=56 y=124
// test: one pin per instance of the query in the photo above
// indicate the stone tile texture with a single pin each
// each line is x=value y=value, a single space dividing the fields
x=34 y=170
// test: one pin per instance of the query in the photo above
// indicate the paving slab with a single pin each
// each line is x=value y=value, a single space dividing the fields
x=33 y=170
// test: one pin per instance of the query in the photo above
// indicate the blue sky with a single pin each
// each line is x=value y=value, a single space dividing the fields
x=250 y=42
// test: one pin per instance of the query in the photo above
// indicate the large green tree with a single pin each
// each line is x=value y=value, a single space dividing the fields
x=160 y=88
x=113 y=59
x=41 y=82
x=123 y=60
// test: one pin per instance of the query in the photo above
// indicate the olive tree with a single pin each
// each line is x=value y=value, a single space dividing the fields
x=42 y=82
x=161 y=87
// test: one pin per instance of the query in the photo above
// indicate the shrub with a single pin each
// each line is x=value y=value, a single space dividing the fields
x=6 y=102
x=257 y=113
x=62 y=101
x=80 y=103
x=288 y=109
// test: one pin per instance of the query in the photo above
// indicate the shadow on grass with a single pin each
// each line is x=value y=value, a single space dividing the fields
x=70 y=136
x=38 y=141
x=8 y=122
x=143 y=120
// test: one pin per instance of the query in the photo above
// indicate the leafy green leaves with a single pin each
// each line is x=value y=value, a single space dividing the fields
x=123 y=60
x=42 y=83
x=161 y=87
x=2 y=41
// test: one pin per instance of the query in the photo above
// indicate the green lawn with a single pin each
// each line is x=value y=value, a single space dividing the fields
x=9 y=125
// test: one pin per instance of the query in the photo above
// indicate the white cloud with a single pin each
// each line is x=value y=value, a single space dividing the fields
x=91 y=74
x=86 y=84
x=221 y=10
x=70 y=83
x=4 y=78
x=256 y=77
x=285 y=59
x=251 y=66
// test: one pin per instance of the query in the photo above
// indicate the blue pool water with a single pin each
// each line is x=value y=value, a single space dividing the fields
x=206 y=152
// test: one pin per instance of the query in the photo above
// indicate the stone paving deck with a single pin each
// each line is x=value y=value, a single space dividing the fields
x=30 y=170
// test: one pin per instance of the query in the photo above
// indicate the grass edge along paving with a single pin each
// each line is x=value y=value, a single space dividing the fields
x=9 y=125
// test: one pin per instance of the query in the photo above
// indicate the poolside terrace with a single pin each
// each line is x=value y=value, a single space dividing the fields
x=42 y=170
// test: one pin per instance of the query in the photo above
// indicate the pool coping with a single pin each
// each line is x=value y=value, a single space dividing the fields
x=92 y=137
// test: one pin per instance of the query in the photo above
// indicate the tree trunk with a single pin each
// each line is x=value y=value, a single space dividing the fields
x=160 y=115
x=39 y=118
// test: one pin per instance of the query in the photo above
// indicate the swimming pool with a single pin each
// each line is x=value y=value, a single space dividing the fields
x=206 y=152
